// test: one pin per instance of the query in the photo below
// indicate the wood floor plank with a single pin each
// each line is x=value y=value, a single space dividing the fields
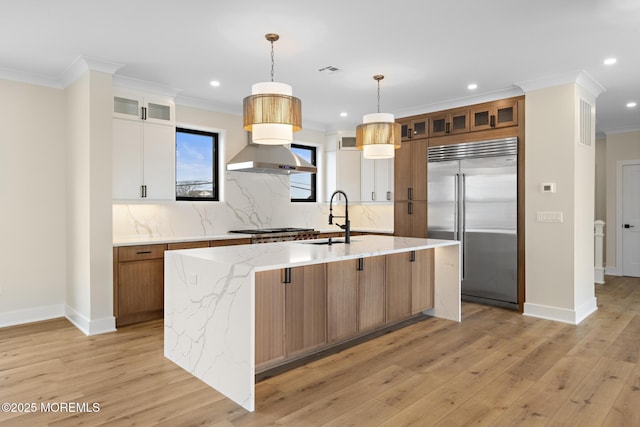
x=496 y=368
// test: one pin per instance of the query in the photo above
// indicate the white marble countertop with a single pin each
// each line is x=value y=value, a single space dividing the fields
x=146 y=240
x=269 y=256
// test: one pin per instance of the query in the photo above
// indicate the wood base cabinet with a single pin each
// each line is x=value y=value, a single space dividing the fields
x=139 y=275
x=409 y=277
x=303 y=310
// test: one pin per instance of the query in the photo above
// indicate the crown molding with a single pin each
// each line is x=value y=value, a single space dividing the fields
x=459 y=102
x=30 y=78
x=82 y=64
x=145 y=86
x=581 y=78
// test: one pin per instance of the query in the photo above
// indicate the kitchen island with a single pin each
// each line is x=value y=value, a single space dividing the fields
x=210 y=299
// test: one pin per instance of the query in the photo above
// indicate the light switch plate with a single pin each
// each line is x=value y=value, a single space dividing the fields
x=548 y=187
x=549 y=216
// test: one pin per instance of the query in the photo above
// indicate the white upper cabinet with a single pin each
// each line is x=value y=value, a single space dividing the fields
x=150 y=109
x=143 y=148
x=376 y=180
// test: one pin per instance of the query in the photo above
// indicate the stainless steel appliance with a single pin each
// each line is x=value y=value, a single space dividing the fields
x=472 y=197
x=281 y=234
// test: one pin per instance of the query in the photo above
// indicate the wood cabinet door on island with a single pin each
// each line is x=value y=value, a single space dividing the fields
x=269 y=316
x=305 y=308
x=342 y=299
x=371 y=283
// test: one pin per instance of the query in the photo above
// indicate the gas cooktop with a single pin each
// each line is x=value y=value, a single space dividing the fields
x=271 y=230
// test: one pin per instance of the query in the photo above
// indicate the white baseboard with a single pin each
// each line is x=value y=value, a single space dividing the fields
x=29 y=315
x=563 y=315
x=90 y=327
x=611 y=271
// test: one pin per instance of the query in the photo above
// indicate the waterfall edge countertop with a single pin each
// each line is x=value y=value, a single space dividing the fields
x=209 y=300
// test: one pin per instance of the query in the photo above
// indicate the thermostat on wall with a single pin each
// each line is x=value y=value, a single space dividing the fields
x=548 y=187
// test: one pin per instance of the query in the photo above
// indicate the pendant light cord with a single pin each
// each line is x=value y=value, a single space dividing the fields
x=272 y=61
x=378 y=96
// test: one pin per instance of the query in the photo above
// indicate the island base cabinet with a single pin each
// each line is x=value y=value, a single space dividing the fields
x=305 y=308
x=410 y=282
x=398 y=287
x=422 y=281
x=342 y=299
x=269 y=317
x=371 y=284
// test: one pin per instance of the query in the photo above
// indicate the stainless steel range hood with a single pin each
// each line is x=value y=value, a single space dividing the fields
x=272 y=159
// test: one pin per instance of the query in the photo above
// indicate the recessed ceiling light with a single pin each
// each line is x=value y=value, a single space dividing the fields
x=631 y=104
x=343 y=114
x=472 y=86
x=214 y=83
x=610 y=61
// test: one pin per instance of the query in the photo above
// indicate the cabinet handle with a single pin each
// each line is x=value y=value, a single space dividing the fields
x=360 y=264
x=447 y=127
x=388 y=195
x=143 y=252
x=492 y=121
x=410 y=208
x=412 y=256
x=144 y=113
x=410 y=133
x=373 y=196
x=287 y=275
x=410 y=193
x=143 y=191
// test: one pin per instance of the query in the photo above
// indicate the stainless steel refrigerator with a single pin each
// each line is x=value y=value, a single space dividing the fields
x=473 y=198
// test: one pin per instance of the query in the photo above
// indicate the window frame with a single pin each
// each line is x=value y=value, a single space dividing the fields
x=314 y=175
x=215 y=165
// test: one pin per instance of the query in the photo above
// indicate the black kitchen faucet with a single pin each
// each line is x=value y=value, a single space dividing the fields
x=347 y=224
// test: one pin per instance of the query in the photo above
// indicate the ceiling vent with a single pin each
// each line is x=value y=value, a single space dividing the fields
x=329 y=69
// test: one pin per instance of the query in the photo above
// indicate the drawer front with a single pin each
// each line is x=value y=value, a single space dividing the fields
x=230 y=242
x=140 y=253
x=188 y=245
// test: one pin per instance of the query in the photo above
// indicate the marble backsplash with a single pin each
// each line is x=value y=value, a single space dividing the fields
x=250 y=201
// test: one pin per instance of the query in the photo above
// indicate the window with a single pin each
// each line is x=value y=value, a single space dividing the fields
x=303 y=185
x=196 y=165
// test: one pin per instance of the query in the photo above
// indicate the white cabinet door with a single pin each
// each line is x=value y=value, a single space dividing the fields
x=159 y=162
x=143 y=155
x=127 y=159
x=376 y=180
x=384 y=180
x=348 y=174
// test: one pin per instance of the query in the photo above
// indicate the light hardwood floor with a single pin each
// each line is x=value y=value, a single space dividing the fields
x=496 y=368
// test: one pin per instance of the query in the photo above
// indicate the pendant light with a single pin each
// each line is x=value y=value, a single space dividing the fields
x=379 y=135
x=271 y=113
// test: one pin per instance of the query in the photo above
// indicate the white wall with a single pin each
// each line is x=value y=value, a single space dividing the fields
x=32 y=189
x=619 y=146
x=249 y=200
x=559 y=256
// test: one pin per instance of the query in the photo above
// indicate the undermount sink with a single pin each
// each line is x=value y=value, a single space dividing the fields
x=323 y=241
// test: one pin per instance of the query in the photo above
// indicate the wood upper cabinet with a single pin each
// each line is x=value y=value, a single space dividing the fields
x=410 y=208
x=139 y=274
x=414 y=128
x=494 y=115
x=305 y=308
x=269 y=316
x=449 y=122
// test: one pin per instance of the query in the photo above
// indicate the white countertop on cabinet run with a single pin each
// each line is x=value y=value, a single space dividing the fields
x=209 y=321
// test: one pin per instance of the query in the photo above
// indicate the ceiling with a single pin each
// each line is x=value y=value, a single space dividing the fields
x=429 y=51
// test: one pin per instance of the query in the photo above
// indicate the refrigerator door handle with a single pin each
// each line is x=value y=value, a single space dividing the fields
x=456 y=208
x=463 y=221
